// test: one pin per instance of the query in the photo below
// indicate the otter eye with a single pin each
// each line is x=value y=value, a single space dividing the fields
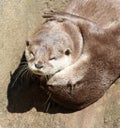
x=53 y=58
x=67 y=52
x=27 y=43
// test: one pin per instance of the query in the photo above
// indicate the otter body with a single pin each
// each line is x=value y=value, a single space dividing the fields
x=79 y=49
x=101 y=12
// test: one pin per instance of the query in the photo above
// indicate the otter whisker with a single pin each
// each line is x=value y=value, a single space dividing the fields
x=29 y=73
x=66 y=92
x=24 y=72
x=49 y=96
x=46 y=77
x=19 y=74
x=23 y=63
x=22 y=66
x=48 y=106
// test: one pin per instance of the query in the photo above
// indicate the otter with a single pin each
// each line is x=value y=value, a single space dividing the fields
x=79 y=49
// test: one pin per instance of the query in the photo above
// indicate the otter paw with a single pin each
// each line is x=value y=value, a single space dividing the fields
x=52 y=15
x=58 y=81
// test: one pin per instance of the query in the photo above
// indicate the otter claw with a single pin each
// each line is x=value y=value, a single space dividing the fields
x=56 y=81
x=53 y=16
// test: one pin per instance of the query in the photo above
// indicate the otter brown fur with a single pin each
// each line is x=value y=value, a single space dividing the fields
x=95 y=59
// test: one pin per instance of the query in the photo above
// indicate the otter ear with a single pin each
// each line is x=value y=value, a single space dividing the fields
x=27 y=43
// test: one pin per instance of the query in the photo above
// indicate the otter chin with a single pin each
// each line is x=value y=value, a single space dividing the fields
x=79 y=49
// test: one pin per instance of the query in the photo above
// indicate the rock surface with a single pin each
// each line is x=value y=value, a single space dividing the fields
x=23 y=106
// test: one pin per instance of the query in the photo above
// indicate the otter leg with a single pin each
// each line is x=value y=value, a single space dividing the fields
x=83 y=23
x=71 y=74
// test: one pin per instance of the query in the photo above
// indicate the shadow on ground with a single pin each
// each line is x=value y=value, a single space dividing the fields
x=25 y=92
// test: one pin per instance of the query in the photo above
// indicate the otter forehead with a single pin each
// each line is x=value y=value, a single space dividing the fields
x=56 y=33
x=48 y=38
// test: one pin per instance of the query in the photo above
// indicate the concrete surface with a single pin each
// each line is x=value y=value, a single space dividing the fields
x=23 y=105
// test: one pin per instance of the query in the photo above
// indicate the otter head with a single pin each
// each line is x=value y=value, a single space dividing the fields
x=50 y=50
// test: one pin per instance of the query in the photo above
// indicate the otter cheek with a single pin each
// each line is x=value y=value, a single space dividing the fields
x=31 y=66
x=61 y=63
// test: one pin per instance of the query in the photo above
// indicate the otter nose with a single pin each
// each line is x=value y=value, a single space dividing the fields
x=39 y=66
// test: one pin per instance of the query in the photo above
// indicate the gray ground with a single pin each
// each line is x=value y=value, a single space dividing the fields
x=20 y=106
